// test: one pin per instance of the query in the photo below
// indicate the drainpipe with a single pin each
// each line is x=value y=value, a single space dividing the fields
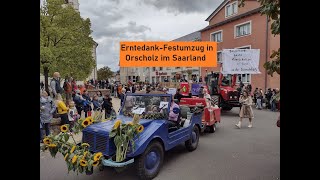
x=267 y=51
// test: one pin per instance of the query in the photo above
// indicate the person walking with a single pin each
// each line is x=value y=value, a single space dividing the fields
x=47 y=108
x=62 y=110
x=246 y=110
x=55 y=85
x=259 y=97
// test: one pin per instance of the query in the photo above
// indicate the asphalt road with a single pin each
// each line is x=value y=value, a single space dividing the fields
x=227 y=154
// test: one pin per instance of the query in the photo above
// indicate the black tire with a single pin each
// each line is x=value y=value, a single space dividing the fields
x=212 y=128
x=227 y=108
x=191 y=146
x=154 y=147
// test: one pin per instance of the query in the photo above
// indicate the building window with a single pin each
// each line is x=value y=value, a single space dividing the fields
x=232 y=9
x=219 y=57
x=177 y=67
x=216 y=36
x=161 y=68
x=153 y=68
x=245 y=78
x=243 y=29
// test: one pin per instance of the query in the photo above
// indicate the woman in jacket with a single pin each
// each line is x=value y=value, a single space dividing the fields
x=246 y=110
x=107 y=106
x=62 y=110
x=47 y=108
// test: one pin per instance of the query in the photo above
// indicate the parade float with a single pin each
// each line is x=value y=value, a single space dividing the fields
x=139 y=135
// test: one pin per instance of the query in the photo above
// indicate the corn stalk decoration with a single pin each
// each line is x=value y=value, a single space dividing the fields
x=124 y=135
x=77 y=156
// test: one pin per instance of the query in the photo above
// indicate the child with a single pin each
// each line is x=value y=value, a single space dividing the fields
x=73 y=114
x=96 y=104
x=107 y=106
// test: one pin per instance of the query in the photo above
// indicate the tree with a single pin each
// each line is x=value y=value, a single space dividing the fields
x=271 y=8
x=104 y=73
x=65 y=42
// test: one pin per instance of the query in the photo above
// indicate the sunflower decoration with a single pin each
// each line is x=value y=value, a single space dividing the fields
x=130 y=123
x=83 y=163
x=74 y=159
x=95 y=163
x=72 y=149
x=86 y=145
x=47 y=141
x=64 y=128
x=140 y=129
x=117 y=124
x=90 y=119
x=52 y=145
x=85 y=154
x=85 y=123
x=97 y=156
x=66 y=156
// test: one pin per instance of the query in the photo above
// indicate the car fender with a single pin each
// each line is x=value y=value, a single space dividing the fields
x=155 y=131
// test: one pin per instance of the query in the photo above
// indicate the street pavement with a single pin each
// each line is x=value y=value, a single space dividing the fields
x=227 y=154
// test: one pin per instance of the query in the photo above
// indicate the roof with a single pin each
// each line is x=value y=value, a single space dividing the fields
x=217 y=10
x=257 y=10
x=190 y=37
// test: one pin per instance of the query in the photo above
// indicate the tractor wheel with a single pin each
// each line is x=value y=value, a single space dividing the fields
x=212 y=128
x=193 y=142
x=148 y=164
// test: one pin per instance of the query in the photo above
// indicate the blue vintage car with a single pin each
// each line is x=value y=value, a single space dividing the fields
x=159 y=134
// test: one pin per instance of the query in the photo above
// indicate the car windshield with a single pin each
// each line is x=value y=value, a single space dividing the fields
x=149 y=107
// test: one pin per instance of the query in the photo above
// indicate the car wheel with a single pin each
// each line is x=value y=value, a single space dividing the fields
x=193 y=142
x=212 y=128
x=149 y=163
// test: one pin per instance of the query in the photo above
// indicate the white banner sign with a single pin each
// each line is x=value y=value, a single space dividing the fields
x=240 y=61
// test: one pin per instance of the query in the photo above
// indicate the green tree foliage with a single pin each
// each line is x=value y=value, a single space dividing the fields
x=104 y=73
x=65 y=42
x=271 y=8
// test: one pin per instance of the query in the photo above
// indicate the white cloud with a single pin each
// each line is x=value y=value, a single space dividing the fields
x=137 y=20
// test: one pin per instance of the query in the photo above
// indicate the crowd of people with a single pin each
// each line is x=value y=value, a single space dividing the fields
x=69 y=109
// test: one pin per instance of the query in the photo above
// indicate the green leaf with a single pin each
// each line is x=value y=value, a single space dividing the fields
x=66 y=137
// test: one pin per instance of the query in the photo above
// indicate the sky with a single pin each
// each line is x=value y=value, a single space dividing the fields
x=113 y=21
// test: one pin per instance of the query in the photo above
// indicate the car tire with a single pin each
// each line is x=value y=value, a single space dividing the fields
x=212 y=128
x=193 y=142
x=148 y=164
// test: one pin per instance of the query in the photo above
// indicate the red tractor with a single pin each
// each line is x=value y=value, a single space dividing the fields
x=222 y=89
x=211 y=115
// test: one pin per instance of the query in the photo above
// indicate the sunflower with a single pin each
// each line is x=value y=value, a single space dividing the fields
x=66 y=156
x=130 y=123
x=85 y=145
x=95 y=163
x=72 y=149
x=83 y=163
x=64 y=128
x=117 y=124
x=52 y=145
x=47 y=141
x=97 y=156
x=74 y=159
x=85 y=123
x=140 y=129
x=84 y=155
x=90 y=119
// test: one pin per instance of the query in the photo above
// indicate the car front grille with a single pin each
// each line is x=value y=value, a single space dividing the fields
x=97 y=142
